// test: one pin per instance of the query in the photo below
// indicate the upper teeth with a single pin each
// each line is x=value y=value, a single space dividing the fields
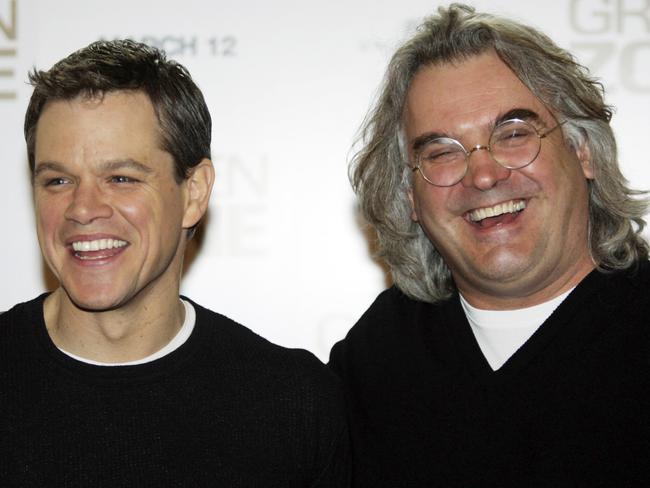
x=98 y=245
x=498 y=209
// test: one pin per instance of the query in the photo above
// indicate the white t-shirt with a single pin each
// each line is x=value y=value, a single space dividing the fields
x=178 y=340
x=500 y=333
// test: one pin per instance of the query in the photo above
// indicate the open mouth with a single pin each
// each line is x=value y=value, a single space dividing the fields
x=501 y=213
x=98 y=249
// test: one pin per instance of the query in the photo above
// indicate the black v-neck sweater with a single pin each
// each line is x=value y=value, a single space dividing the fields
x=226 y=409
x=571 y=408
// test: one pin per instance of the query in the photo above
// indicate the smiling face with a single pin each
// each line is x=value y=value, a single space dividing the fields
x=511 y=238
x=110 y=215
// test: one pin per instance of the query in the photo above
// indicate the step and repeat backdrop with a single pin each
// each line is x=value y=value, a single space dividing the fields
x=288 y=83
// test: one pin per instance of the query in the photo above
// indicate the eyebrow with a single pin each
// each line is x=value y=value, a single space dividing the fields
x=47 y=166
x=106 y=166
x=125 y=164
x=524 y=114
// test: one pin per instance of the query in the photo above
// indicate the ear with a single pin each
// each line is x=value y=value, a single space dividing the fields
x=583 y=154
x=414 y=214
x=199 y=187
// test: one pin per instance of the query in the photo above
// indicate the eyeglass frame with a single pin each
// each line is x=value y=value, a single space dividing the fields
x=540 y=136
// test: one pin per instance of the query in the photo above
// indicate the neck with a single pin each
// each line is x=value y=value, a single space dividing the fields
x=133 y=331
x=518 y=298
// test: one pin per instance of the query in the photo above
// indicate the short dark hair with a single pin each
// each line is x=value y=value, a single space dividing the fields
x=105 y=66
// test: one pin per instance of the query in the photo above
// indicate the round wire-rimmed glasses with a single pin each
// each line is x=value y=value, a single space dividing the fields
x=514 y=144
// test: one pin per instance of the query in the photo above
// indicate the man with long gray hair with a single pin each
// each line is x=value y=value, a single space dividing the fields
x=514 y=347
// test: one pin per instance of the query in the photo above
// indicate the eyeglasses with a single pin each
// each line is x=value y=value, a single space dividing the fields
x=513 y=144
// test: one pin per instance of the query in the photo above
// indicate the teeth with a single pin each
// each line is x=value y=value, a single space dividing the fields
x=499 y=209
x=97 y=245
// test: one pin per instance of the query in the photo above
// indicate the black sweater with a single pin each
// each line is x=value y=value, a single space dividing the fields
x=570 y=408
x=226 y=409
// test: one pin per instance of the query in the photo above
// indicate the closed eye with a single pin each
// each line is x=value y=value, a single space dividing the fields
x=442 y=151
x=440 y=156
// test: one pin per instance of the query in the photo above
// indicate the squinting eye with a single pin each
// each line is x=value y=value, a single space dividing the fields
x=55 y=182
x=510 y=132
x=441 y=153
x=122 y=179
x=437 y=155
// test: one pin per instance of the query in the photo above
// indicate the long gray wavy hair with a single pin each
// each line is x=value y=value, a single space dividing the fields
x=381 y=176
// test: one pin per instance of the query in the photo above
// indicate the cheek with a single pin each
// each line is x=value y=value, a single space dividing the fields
x=136 y=212
x=139 y=210
x=558 y=167
x=429 y=205
x=154 y=217
x=49 y=215
x=49 y=224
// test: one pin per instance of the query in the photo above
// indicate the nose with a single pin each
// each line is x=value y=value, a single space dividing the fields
x=483 y=172
x=88 y=204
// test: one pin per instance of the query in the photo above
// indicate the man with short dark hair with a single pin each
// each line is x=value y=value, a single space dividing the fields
x=113 y=379
x=514 y=348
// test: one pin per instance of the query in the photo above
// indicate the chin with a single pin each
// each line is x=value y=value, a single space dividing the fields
x=94 y=300
x=505 y=268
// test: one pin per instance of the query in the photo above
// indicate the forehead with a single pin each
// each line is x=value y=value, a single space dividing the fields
x=117 y=124
x=456 y=97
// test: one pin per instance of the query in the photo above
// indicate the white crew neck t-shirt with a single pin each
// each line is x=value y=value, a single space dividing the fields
x=177 y=341
x=500 y=333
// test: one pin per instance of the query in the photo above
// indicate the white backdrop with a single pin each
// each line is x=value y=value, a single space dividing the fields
x=288 y=83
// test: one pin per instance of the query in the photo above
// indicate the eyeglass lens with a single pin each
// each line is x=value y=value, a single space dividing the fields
x=513 y=144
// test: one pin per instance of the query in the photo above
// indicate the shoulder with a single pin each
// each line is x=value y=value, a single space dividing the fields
x=611 y=307
x=250 y=356
x=390 y=313
x=290 y=388
x=20 y=315
x=20 y=329
x=391 y=327
x=639 y=273
x=630 y=289
x=29 y=306
x=389 y=308
x=619 y=288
